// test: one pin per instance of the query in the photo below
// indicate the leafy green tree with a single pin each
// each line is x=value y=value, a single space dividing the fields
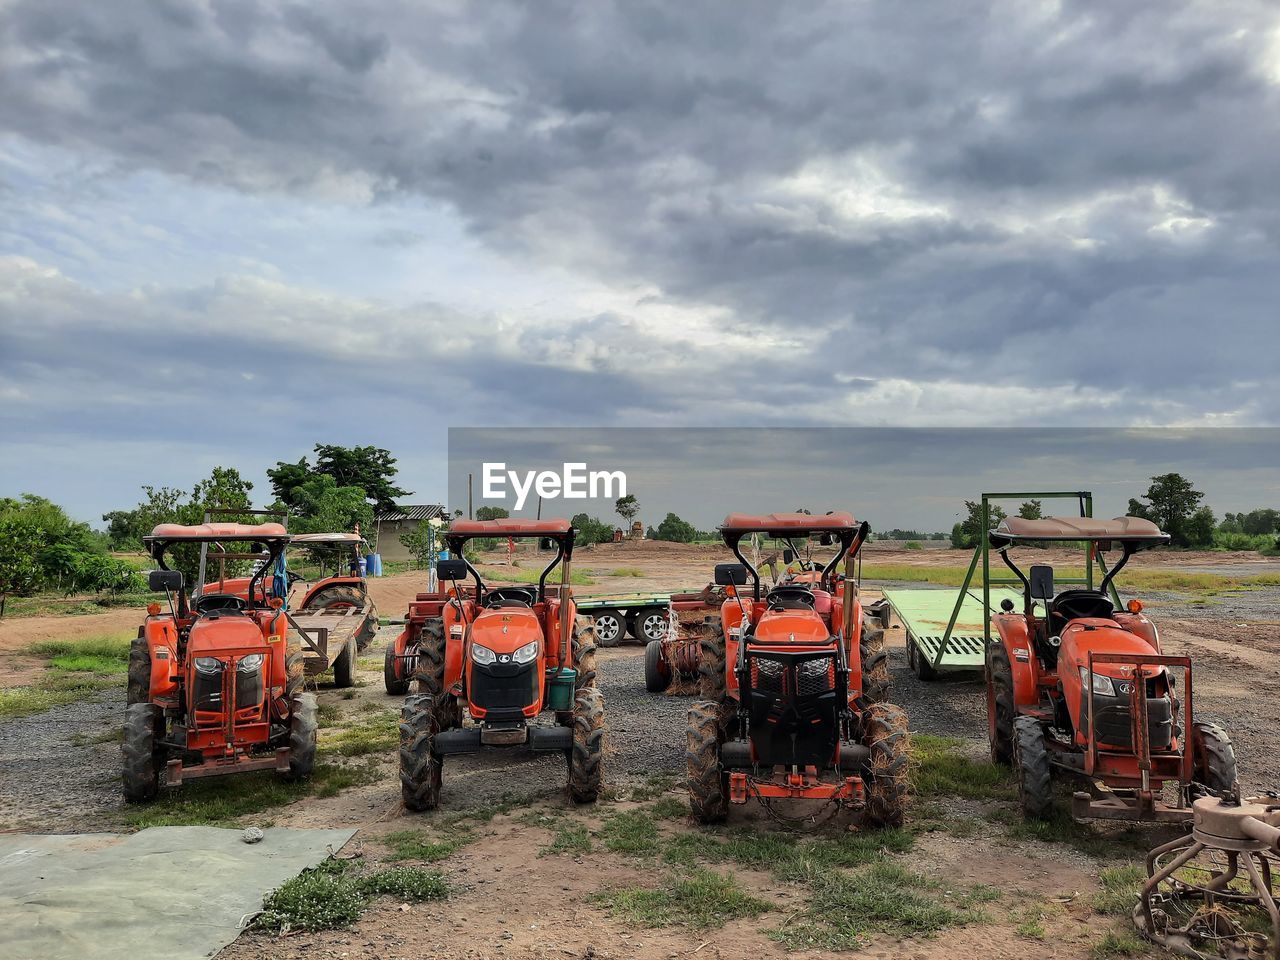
x=674 y=529
x=1200 y=528
x=1031 y=510
x=286 y=478
x=372 y=469
x=491 y=513
x=20 y=544
x=1171 y=503
x=324 y=507
x=588 y=529
x=627 y=507
x=965 y=534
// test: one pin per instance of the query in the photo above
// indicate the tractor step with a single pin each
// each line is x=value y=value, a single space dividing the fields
x=474 y=739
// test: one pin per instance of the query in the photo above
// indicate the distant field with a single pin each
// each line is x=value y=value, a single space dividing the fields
x=1171 y=579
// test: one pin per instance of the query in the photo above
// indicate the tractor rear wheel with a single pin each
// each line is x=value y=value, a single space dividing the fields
x=708 y=780
x=344 y=666
x=139 y=688
x=342 y=597
x=141 y=751
x=885 y=730
x=304 y=720
x=586 y=769
x=657 y=672
x=392 y=673
x=421 y=768
x=712 y=684
x=875 y=661
x=1031 y=768
x=1000 y=706
x=1215 y=758
x=610 y=626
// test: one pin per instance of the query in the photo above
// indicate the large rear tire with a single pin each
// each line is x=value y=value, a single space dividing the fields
x=586 y=756
x=610 y=627
x=1215 y=758
x=1031 y=769
x=421 y=768
x=657 y=672
x=140 y=751
x=712 y=682
x=875 y=662
x=392 y=673
x=1000 y=706
x=707 y=779
x=304 y=721
x=887 y=774
x=139 y=686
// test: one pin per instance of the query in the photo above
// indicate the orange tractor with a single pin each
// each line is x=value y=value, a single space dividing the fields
x=1078 y=686
x=499 y=658
x=792 y=686
x=215 y=683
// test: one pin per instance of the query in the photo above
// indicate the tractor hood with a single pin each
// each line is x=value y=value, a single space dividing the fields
x=230 y=632
x=800 y=627
x=506 y=629
x=1098 y=635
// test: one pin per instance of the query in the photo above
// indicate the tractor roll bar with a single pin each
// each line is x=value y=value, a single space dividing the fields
x=849 y=537
x=560 y=532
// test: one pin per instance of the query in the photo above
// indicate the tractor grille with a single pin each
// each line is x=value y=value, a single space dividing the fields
x=766 y=676
x=815 y=676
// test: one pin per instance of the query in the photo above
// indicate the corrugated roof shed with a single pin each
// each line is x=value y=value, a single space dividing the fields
x=413 y=511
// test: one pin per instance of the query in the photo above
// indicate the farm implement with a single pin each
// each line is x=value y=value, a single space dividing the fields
x=793 y=683
x=216 y=682
x=487 y=662
x=335 y=616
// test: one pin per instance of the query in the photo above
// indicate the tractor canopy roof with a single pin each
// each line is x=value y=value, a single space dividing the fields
x=1134 y=531
x=323 y=539
x=211 y=532
x=787 y=524
x=556 y=529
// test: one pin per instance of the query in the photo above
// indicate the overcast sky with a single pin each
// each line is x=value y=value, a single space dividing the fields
x=231 y=229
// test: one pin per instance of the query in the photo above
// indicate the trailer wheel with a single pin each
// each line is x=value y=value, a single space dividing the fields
x=586 y=769
x=421 y=768
x=392 y=677
x=1215 y=758
x=875 y=662
x=344 y=667
x=140 y=751
x=139 y=687
x=886 y=775
x=611 y=627
x=1000 y=706
x=1031 y=768
x=304 y=719
x=650 y=623
x=657 y=672
x=711 y=662
x=708 y=781
x=920 y=664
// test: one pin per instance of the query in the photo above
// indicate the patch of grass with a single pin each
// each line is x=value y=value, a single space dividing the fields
x=570 y=838
x=700 y=898
x=85 y=655
x=632 y=832
x=329 y=714
x=49 y=605
x=483 y=814
x=416 y=845
x=24 y=701
x=1030 y=923
x=1085 y=837
x=626 y=572
x=1120 y=887
x=655 y=785
x=110 y=735
x=941 y=769
x=498 y=575
x=1168 y=579
x=669 y=808
x=223 y=801
x=847 y=909
x=331 y=896
x=1118 y=945
x=375 y=733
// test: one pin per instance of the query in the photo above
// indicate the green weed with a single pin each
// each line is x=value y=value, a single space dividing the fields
x=701 y=899
x=331 y=896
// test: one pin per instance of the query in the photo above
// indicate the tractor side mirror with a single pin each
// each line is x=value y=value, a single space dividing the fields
x=788 y=555
x=730 y=574
x=1041 y=582
x=451 y=569
x=825 y=540
x=1006 y=605
x=164 y=581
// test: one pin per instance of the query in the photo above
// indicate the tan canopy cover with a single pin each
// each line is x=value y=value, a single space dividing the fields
x=1133 y=529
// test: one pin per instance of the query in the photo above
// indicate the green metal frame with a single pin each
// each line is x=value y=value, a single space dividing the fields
x=1083 y=498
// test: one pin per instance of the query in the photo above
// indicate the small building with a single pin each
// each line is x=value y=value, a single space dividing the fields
x=388 y=526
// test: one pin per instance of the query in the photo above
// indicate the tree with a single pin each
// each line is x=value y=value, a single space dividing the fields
x=1171 y=503
x=1031 y=510
x=674 y=529
x=627 y=507
x=492 y=513
x=965 y=535
x=372 y=469
x=20 y=542
x=590 y=530
x=286 y=478
x=223 y=489
x=324 y=507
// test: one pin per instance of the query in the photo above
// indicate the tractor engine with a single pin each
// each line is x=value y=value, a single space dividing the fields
x=1113 y=685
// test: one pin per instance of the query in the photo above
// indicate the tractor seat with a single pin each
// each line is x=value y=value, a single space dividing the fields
x=791 y=598
x=1077 y=605
x=510 y=597
x=220 y=603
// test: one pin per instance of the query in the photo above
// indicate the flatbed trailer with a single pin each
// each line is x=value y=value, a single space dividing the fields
x=330 y=640
x=925 y=615
x=640 y=616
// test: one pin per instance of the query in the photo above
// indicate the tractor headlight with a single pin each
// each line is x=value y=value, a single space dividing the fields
x=208 y=664
x=526 y=654
x=250 y=663
x=482 y=655
x=1100 y=684
x=814 y=668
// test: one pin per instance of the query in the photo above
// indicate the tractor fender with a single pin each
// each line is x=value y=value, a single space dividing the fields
x=455 y=632
x=554 y=640
x=162 y=642
x=1014 y=637
x=328 y=582
x=1139 y=626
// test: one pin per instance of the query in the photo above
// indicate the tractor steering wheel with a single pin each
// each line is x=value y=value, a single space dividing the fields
x=220 y=603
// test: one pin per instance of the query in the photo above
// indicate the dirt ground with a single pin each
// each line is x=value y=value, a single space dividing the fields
x=511 y=899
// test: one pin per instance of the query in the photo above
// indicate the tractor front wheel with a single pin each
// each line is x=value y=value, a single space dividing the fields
x=712 y=684
x=886 y=775
x=1000 y=706
x=586 y=767
x=1215 y=758
x=875 y=661
x=421 y=768
x=708 y=780
x=141 y=751
x=584 y=652
x=393 y=673
x=304 y=720
x=1031 y=768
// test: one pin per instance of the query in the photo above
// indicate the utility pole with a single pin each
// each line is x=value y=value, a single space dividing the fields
x=470 y=514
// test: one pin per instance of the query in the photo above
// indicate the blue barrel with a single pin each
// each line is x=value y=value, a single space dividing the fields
x=374 y=563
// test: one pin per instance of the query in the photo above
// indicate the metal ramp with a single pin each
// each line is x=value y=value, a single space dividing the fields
x=925 y=614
